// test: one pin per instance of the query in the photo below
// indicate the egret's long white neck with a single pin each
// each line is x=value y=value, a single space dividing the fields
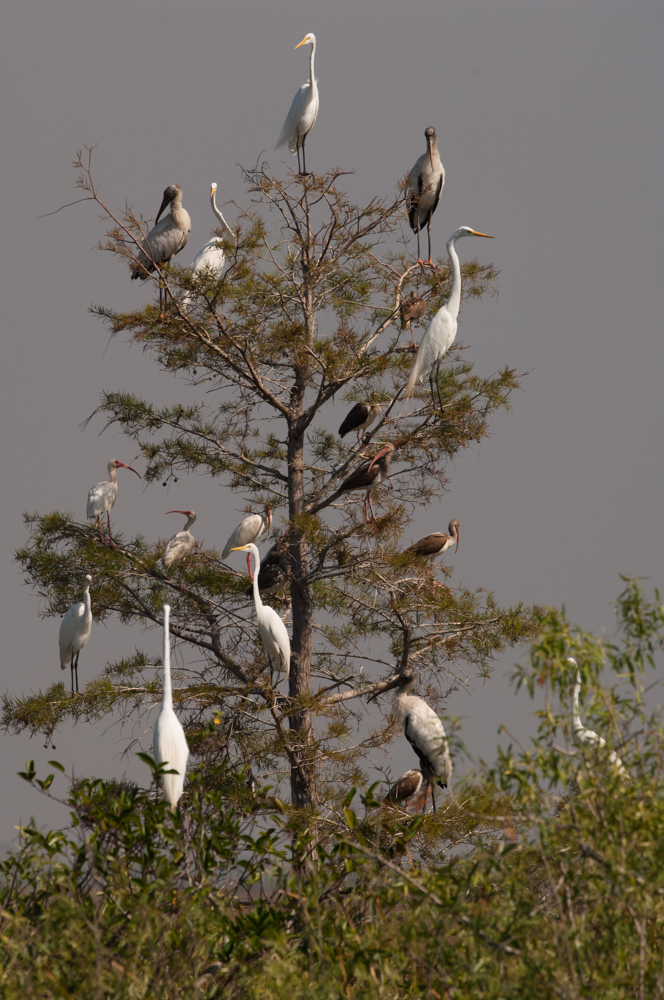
x=213 y=199
x=312 y=78
x=576 y=719
x=167 y=696
x=454 y=300
x=257 y=569
x=86 y=598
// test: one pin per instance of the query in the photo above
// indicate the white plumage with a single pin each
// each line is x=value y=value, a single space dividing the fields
x=587 y=736
x=426 y=734
x=303 y=111
x=166 y=238
x=425 y=184
x=181 y=544
x=169 y=743
x=212 y=255
x=102 y=497
x=75 y=630
x=270 y=626
x=441 y=331
x=249 y=530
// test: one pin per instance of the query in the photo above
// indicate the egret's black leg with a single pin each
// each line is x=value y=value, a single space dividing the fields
x=269 y=660
x=438 y=384
x=304 y=159
x=419 y=258
x=299 y=171
x=76 y=669
x=71 y=667
x=433 y=395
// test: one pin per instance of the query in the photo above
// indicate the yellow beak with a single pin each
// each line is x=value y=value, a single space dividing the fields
x=240 y=548
x=305 y=39
x=482 y=234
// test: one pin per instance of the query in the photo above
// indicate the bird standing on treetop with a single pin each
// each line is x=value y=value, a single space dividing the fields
x=366 y=477
x=75 y=630
x=270 y=626
x=102 y=497
x=249 y=530
x=441 y=331
x=169 y=745
x=181 y=544
x=212 y=255
x=414 y=307
x=360 y=418
x=303 y=111
x=425 y=184
x=166 y=238
x=426 y=734
x=587 y=736
x=435 y=544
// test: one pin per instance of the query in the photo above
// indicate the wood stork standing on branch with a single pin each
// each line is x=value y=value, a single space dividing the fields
x=181 y=544
x=303 y=112
x=75 y=630
x=425 y=184
x=587 y=736
x=441 y=331
x=434 y=545
x=249 y=530
x=102 y=497
x=270 y=626
x=165 y=239
x=169 y=745
x=426 y=734
x=366 y=477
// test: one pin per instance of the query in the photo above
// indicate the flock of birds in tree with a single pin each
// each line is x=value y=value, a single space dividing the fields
x=422 y=727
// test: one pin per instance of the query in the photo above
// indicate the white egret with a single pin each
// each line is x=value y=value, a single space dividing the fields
x=169 y=745
x=166 y=238
x=359 y=418
x=425 y=184
x=367 y=477
x=274 y=573
x=212 y=255
x=441 y=331
x=434 y=545
x=303 y=111
x=102 y=497
x=426 y=734
x=75 y=630
x=587 y=736
x=249 y=530
x=181 y=544
x=270 y=626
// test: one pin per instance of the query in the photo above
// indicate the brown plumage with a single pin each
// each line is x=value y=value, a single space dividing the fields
x=367 y=477
x=412 y=308
x=360 y=417
x=408 y=785
x=435 y=544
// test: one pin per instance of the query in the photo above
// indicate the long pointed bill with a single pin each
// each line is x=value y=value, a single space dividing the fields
x=457 y=544
x=485 y=235
x=123 y=466
x=240 y=548
x=305 y=39
x=380 y=454
x=166 y=201
x=185 y=512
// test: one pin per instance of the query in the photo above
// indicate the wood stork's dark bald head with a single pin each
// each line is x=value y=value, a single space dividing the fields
x=172 y=192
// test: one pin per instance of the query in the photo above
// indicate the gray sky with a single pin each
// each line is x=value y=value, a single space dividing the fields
x=549 y=124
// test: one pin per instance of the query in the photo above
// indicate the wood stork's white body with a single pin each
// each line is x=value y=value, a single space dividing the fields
x=303 y=111
x=169 y=743
x=249 y=530
x=270 y=626
x=75 y=630
x=426 y=734
x=425 y=185
x=166 y=238
x=102 y=497
x=587 y=736
x=441 y=331
x=182 y=543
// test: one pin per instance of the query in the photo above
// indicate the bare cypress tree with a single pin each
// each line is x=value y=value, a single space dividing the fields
x=306 y=312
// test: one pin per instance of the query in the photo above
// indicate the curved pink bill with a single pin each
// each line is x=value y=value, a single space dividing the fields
x=457 y=544
x=123 y=466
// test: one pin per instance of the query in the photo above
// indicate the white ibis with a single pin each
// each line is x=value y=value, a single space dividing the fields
x=212 y=255
x=270 y=626
x=405 y=787
x=413 y=307
x=169 y=746
x=359 y=418
x=249 y=530
x=273 y=574
x=441 y=331
x=166 y=238
x=102 y=497
x=303 y=111
x=426 y=734
x=587 y=736
x=434 y=545
x=75 y=630
x=366 y=477
x=425 y=184
x=181 y=544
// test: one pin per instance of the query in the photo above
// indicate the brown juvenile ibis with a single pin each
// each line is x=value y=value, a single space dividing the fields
x=273 y=575
x=425 y=184
x=426 y=735
x=434 y=545
x=413 y=307
x=181 y=544
x=367 y=477
x=359 y=419
x=102 y=497
x=407 y=785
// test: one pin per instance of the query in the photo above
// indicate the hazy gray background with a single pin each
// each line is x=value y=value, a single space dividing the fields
x=549 y=121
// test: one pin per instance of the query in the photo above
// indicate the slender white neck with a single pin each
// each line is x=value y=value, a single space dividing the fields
x=112 y=474
x=189 y=523
x=86 y=599
x=222 y=220
x=257 y=569
x=312 y=78
x=576 y=720
x=167 y=696
x=454 y=300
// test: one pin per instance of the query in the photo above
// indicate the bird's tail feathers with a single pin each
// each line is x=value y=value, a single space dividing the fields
x=414 y=377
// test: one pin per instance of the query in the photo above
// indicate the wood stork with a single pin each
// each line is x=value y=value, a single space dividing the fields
x=270 y=626
x=169 y=745
x=360 y=418
x=212 y=255
x=426 y=734
x=274 y=569
x=425 y=184
x=434 y=545
x=75 y=630
x=303 y=112
x=102 y=497
x=249 y=530
x=181 y=544
x=166 y=238
x=366 y=477
x=441 y=331
x=405 y=787
x=587 y=736
x=412 y=308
